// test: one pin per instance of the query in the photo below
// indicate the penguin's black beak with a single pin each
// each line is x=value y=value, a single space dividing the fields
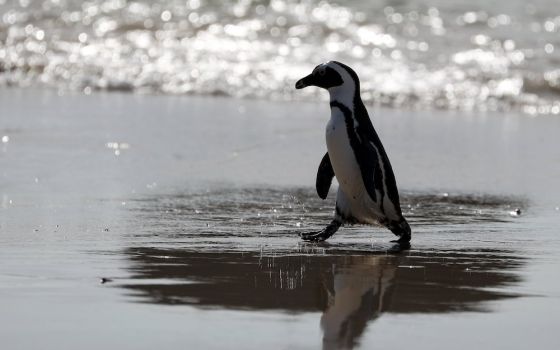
x=305 y=82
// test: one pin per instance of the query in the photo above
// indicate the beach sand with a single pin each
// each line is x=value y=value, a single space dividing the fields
x=137 y=221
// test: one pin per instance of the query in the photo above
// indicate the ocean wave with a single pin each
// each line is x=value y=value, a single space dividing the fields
x=465 y=56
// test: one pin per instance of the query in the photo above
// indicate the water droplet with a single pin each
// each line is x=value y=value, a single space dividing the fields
x=5 y=139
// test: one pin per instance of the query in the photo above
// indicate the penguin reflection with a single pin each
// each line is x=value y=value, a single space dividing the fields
x=360 y=293
x=350 y=288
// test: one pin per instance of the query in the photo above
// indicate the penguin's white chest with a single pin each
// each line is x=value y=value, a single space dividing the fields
x=352 y=198
x=342 y=156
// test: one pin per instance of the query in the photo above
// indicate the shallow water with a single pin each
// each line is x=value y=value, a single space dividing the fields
x=146 y=221
x=468 y=55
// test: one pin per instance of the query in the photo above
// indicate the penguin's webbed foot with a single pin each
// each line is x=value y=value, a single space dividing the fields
x=400 y=245
x=402 y=230
x=404 y=239
x=314 y=236
x=403 y=243
x=320 y=236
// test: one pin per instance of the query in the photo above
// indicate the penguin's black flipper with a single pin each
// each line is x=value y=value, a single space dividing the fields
x=325 y=174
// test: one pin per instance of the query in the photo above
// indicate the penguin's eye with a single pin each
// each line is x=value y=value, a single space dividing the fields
x=322 y=72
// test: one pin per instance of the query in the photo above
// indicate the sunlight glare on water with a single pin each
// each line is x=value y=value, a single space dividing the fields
x=430 y=54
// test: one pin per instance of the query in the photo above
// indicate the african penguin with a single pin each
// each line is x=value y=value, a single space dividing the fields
x=367 y=192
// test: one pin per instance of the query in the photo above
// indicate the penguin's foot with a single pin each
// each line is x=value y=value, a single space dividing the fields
x=314 y=236
x=403 y=242
x=402 y=230
x=320 y=236
x=398 y=247
x=404 y=239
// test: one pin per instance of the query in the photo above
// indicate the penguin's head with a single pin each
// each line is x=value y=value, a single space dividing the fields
x=331 y=76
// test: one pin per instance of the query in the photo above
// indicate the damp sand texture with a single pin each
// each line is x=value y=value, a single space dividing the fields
x=135 y=222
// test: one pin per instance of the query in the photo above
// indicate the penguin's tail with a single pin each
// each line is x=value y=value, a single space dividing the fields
x=401 y=228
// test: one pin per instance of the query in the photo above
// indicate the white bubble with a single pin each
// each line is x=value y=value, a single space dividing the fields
x=480 y=39
x=433 y=12
x=40 y=35
x=423 y=46
x=503 y=19
x=281 y=21
x=165 y=16
x=470 y=17
x=82 y=37
x=549 y=26
x=5 y=139
x=396 y=18
x=194 y=4
x=396 y=54
x=509 y=45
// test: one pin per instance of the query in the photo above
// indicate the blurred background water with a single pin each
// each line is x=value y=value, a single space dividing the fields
x=468 y=55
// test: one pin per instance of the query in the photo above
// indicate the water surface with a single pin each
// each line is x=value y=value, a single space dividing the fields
x=468 y=55
x=133 y=221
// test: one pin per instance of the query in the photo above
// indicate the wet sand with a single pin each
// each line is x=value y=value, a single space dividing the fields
x=189 y=210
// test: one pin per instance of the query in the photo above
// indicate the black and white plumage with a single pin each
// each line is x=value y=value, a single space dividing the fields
x=367 y=192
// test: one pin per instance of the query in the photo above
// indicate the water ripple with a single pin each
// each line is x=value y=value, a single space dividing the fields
x=252 y=212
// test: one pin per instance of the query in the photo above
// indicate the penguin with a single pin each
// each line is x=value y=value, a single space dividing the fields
x=367 y=192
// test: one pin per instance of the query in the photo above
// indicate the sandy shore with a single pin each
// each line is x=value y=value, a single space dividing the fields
x=190 y=207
